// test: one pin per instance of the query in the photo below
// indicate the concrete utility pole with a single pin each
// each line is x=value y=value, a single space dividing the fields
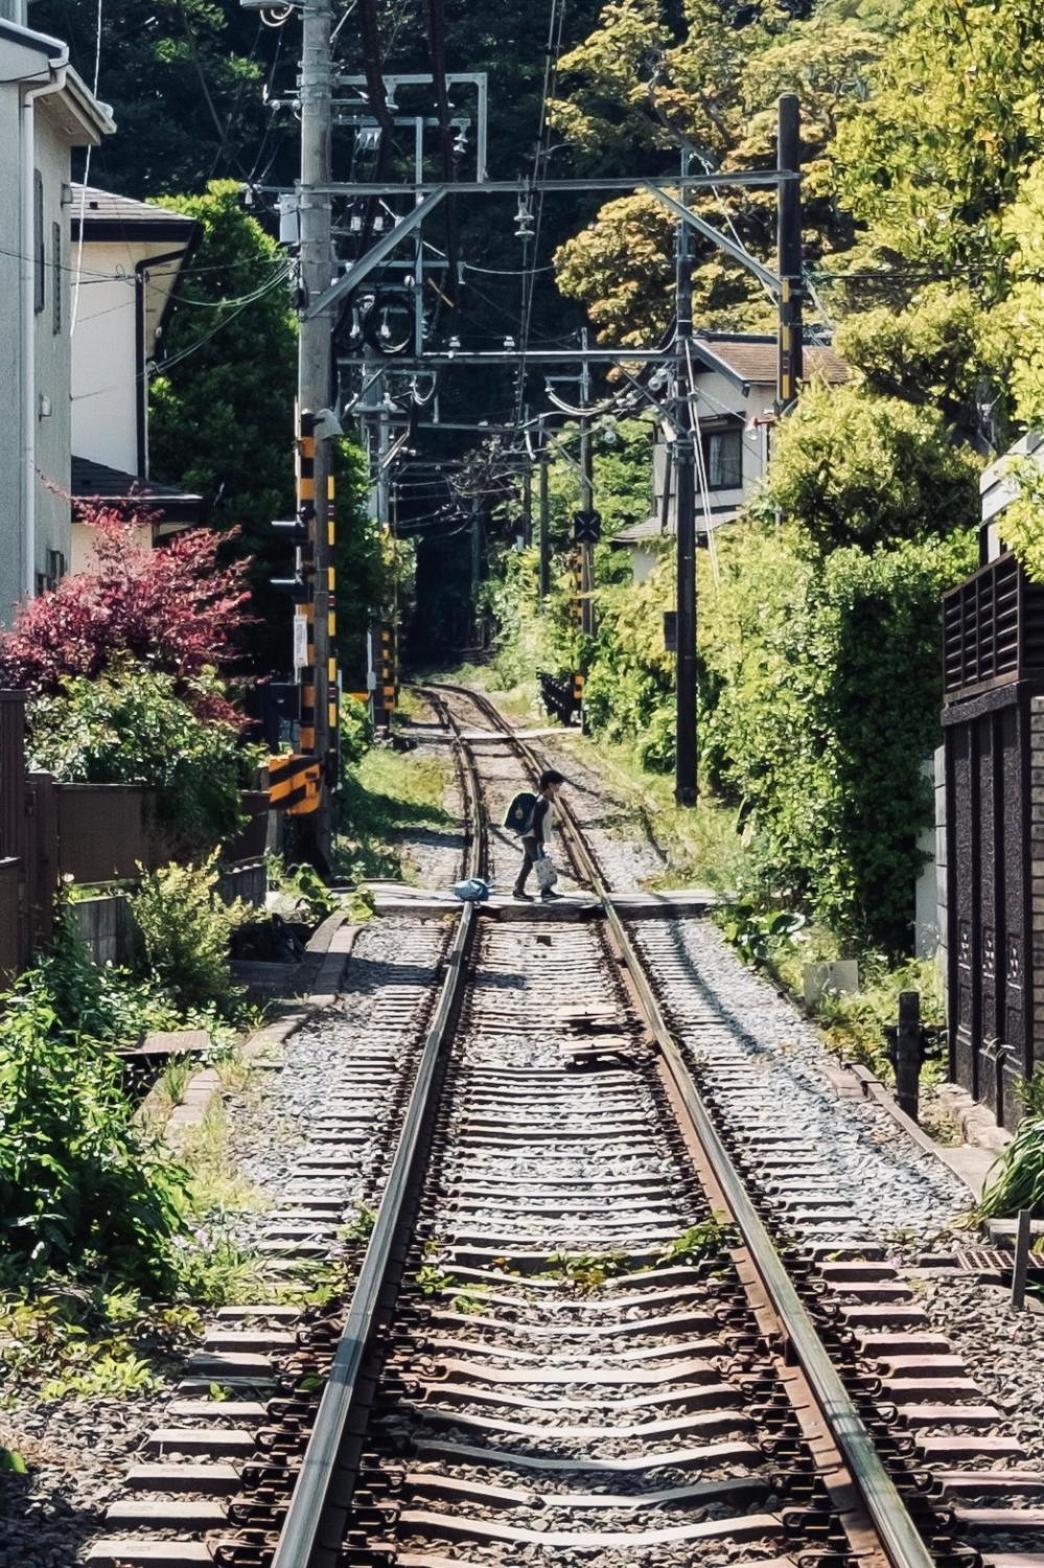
x=685 y=507
x=314 y=380
x=791 y=354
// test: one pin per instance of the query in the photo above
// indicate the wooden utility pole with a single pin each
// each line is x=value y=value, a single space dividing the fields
x=685 y=510
x=314 y=380
x=790 y=367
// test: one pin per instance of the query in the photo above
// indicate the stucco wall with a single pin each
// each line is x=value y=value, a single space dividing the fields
x=10 y=337
x=104 y=361
x=53 y=357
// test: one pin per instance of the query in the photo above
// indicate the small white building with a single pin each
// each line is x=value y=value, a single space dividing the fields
x=735 y=387
x=131 y=257
x=45 y=111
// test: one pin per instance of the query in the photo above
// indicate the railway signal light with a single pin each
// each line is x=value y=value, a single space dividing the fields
x=587 y=527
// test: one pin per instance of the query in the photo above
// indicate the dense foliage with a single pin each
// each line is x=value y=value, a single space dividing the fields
x=176 y=609
x=823 y=704
x=221 y=419
x=130 y=725
x=184 y=80
x=185 y=927
x=861 y=469
x=82 y=1183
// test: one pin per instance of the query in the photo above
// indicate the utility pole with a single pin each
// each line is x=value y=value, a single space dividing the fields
x=790 y=363
x=685 y=507
x=527 y=505
x=544 y=579
x=476 y=569
x=586 y=499
x=319 y=693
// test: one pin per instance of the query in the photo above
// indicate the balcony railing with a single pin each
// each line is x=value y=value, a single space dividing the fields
x=993 y=630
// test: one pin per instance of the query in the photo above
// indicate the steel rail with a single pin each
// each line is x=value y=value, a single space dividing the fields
x=301 y=1537
x=900 y=1538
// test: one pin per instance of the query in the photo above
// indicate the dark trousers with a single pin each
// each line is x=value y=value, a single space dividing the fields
x=532 y=850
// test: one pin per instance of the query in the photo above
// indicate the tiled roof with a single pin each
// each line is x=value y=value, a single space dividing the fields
x=98 y=482
x=640 y=533
x=108 y=206
x=752 y=358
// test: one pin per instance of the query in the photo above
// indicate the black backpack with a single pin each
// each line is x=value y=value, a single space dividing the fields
x=519 y=815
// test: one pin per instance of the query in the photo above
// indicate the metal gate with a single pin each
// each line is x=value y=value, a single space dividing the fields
x=994 y=712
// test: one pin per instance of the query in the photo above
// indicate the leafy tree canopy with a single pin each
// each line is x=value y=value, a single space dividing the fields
x=850 y=468
x=221 y=416
x=184 y=80
x=709 y=82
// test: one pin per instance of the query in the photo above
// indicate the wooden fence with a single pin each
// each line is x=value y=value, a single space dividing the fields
x=86 y=833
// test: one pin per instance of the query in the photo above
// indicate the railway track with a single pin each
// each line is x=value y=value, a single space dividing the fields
x=602 y=1319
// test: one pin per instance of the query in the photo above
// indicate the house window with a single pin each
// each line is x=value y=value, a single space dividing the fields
x=39 y=253
x=56 y=277
x=723 y=456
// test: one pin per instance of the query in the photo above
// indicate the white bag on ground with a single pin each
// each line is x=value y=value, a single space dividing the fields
x=546 y=875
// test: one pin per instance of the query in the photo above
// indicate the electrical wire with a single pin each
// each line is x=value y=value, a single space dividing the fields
x=556 y=24
x=86 y=172
x=182 y=354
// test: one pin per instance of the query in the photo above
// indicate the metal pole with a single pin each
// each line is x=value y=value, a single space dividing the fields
x=586 y=500
x=476 y=570
x=314 y=369
x=790 y=367
x=545 y=542
x=909 y=1053
x=527 y=506
x=1020 y=1263
x=685 y=509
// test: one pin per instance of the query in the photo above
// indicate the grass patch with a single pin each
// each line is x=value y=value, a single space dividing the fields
x=383 y=799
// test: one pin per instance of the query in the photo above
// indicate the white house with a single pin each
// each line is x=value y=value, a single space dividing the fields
x=131 y=256
x=735 y=388
x=45 y=111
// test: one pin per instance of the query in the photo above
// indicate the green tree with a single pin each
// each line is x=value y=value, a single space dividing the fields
x=821 y=699
x=222 y=404
x=709 y=81
x=956 y=110
x=853 y=468
x=184 y=82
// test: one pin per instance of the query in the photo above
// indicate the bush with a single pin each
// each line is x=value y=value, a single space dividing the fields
x=858 y=469
x=81 y=1182
x=176 y=609
x=130 y=726
x=185 y=929
x=823 y=704
x=356 y=730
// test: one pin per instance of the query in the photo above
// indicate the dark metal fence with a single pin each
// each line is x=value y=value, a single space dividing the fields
x=994 y=685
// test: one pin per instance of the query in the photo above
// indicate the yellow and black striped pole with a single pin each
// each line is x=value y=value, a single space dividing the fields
x=306 y=514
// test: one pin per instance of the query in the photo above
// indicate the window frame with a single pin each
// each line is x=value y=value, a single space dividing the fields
x=56 y=278
x=720 y=432
x=39 y=246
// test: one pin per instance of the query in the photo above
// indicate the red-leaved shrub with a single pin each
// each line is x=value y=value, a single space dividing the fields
x=175 y=608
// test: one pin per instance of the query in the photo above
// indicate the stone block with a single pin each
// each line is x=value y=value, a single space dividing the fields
x=840 y=975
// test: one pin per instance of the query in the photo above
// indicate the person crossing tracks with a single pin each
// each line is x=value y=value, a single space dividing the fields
x=532 y=818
